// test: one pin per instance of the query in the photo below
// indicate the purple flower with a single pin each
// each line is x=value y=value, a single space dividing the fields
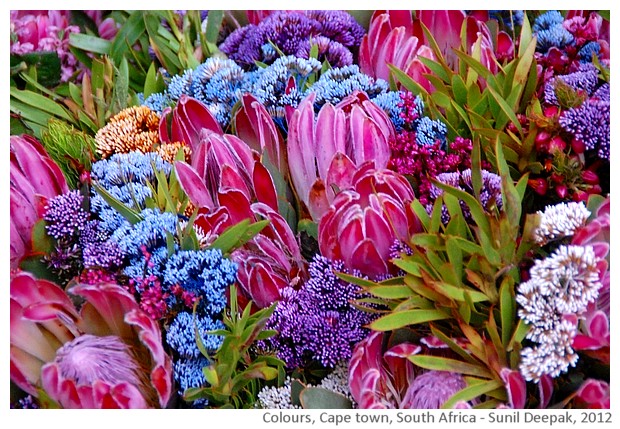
x=318 y=322
x=334 y=31
x=432 y=389
x=590 y=123
x=585 y=79
x=64 y=215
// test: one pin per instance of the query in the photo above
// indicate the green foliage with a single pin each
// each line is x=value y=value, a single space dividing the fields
x=475 y=103
x=459 y=282
x=73 y=150
x=236 y=373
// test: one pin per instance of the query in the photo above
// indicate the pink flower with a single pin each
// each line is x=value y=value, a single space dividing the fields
x=107 y=355
x=593 y=394
x=365 y=220
x=323 y=154
x=379 y=379
x=35 y=177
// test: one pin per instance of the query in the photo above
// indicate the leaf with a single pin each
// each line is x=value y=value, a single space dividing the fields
x=40 y=103
x=507 y=308
x=506 y=109
x=453 y=345
x=472 y=392
x=89 y=43
x=511 y=200
x=452 y=365
x=405 y=318
x=41 y=242
x=127 y=35
x=320 y=398
x=409 y=84
x=525 y=37
x=214 y=22
x=459 y=89
x=130 y=214
x=237 y=235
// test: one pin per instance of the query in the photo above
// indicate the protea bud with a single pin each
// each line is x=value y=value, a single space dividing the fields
x=364 y=221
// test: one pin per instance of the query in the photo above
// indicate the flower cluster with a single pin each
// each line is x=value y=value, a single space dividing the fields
x=293 y=33
x=318 y=322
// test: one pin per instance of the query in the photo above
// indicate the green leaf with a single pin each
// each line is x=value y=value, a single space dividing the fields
x=132 y=216
x=309 y=227
x=127 y=35
x=506 y=109
x=46 y=65
x=436 y=68
x=525 y=37
x=452 y=365
x=40 y=103
x=459 y=89
x=507 y=308
x=214 y=22
x=472 y=392
x=390 y=292
x=365 y=283
x=453 y=345
x=320 y=398
x=409 y=84
x=405 y=318
x=421 y=213
x=518 y=335
x=476 y=210
x=511 y=201
x=237 y=235
x=89 y=43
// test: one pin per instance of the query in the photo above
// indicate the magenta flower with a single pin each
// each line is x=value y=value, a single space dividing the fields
x=46 y=31
x=107 y=355
x=325 y=152
x=365 y=220
x=390 y=40
x=35 y=177
x=185 y=122
x=379 y=379
x=593 y=394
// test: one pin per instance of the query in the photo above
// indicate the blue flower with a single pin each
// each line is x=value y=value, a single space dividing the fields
x=428 y=132
x=550 y=32
x=547 y=20
x=188 y=373
x=589 y=50
x=180 y=85
x=181 y=335
x=150 y=232
x=335 y=84
x=205 y=273
x=157 y=102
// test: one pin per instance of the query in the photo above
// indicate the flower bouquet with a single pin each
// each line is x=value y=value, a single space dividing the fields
x=310 y=209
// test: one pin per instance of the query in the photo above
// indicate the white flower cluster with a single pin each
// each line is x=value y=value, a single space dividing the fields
x=559 y=221
x=280 y=397
x=274 y=398
x=560 y=285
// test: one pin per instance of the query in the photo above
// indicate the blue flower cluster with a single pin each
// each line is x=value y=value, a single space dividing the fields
x=181 y=335
x=188 y=373
x=145 y=242
x=205 y=273
x=128 y=177
x=429 y=132
x=335 y=84
x=550 y=32
x=318 y=322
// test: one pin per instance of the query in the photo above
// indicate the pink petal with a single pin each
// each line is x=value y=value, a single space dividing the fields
x=515 y=387
x=193 y=185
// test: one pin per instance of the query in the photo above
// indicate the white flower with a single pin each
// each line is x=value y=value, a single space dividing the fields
x=569 y=277
x=560 y=220
x=553 y=356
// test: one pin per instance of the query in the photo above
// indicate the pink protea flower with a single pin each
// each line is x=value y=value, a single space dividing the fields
x=379 y=379
x=390 y=40
x=365 y=220
x=325 y=152
x=229 y=184
x=593 y=394
x=35 y=177
x=107 y=355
